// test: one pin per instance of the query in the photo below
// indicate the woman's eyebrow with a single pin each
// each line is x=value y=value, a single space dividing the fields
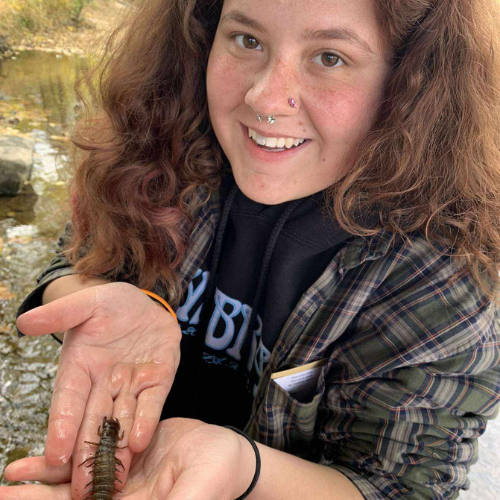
x=339 y=33
x=240 y=18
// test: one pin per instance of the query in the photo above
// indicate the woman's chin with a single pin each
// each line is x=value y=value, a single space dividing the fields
x=262 y=194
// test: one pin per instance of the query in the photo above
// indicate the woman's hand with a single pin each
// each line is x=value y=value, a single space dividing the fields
x=185 y=459
x=119 y=357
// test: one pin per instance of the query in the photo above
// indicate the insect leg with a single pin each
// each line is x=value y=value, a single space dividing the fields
x=90 y=458
x=90 y=442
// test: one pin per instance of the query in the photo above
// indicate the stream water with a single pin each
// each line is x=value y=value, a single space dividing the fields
x=36 y=99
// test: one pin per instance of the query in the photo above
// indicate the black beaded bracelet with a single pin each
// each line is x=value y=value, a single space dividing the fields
x=257 y=461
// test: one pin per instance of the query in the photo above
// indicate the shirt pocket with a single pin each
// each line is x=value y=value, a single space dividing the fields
x=292 y=421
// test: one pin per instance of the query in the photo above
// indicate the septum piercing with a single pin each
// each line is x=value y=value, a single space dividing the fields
x=271 y=119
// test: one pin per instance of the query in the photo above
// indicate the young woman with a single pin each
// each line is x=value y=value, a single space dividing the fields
x=313 y=186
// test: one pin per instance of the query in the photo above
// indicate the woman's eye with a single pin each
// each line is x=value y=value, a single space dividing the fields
x=329 y=60
x=246 y=41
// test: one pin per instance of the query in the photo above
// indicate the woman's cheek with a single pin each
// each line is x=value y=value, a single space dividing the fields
x=345 y=112
x=331 y=107
x=225 y=76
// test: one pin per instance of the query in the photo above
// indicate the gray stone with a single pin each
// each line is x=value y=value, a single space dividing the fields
x=4 y=46
x=16 y=162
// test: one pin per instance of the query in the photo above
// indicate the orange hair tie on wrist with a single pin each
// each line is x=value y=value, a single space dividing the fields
x=163 y=302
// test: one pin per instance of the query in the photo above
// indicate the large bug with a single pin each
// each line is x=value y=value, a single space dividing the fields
x=104 y=461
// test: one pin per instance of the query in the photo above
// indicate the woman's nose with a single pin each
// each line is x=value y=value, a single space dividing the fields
x=274 y=91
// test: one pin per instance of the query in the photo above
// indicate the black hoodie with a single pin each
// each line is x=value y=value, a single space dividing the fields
x=266 y=257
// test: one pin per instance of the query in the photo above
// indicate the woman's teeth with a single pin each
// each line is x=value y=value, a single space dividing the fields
x=274 y=142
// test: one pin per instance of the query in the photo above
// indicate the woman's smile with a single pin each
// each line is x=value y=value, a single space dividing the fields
x=261 y=147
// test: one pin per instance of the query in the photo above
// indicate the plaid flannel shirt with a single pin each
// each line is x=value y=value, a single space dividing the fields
x=413 y=370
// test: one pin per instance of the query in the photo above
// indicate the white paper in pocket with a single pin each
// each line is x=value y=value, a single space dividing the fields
x=301 y=378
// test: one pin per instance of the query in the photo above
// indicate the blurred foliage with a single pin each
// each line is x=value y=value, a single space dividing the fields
x=34 y=16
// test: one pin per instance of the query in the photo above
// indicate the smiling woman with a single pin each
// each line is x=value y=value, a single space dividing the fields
x=291 y=56
x=314 y=186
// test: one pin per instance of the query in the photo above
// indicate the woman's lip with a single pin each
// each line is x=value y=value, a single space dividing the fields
x=268 y=156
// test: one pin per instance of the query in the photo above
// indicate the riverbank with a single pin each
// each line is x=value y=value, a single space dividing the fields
x=19 y=115
x=85 y=37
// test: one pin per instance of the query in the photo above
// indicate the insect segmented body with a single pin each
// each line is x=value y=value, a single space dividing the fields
x=104 y=461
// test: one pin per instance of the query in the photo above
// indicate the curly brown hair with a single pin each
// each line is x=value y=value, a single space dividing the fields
x=431 y=162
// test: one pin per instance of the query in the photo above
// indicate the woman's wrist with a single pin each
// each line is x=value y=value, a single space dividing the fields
x=250 y=465
x=160 y=301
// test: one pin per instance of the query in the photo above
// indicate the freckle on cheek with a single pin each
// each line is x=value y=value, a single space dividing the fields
x=301 y=123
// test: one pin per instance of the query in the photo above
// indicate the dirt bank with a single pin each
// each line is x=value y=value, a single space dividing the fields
x=96 y=21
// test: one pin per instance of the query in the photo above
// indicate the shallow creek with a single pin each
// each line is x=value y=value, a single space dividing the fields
x=36 y=99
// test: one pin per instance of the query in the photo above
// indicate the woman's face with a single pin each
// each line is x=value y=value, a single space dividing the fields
x=328 y=56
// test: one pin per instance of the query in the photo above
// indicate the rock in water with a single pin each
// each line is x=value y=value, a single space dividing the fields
x=4 y=46
x=16 y=162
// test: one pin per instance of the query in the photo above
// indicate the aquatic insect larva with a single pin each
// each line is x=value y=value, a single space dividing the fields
x=104 y=461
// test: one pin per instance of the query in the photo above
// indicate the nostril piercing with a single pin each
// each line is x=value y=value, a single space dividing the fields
x=271 y=119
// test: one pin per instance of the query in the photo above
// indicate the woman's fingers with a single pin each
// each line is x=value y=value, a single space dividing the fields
x=69 y=400
x=37 y=469
x=100 y=405
x=60 y=315
x=149 y=407
x=152 y=387
x=125 y=401
x=35 y=492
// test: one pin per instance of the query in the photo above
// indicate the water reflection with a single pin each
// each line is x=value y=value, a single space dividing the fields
x=45 y=81
x=20 y=207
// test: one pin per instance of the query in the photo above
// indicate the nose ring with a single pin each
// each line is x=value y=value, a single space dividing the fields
x=271 y=119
